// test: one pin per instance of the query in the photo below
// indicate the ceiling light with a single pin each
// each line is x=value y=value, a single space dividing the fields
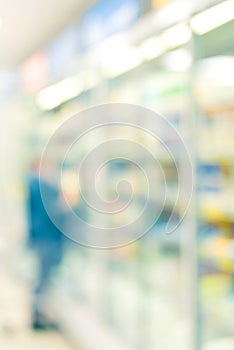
x=53 y=96
x=117 y=58
x=175 y=36
x=152 y=48
x=171 y=38
x=213 y=18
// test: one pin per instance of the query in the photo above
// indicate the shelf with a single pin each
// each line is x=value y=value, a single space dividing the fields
x=216 y=207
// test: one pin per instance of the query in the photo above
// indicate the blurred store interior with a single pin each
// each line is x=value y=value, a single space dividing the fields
x=174 y=57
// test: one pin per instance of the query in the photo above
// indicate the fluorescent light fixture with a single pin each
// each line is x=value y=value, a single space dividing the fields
x=54 y=95
x=171 y=38
x=179 y=60
x=152 y=48
x=175 y=36
x=213 y=18
x=119 y=65
x=117 y=58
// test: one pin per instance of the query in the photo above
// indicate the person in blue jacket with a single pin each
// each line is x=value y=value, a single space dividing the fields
x=44 y=238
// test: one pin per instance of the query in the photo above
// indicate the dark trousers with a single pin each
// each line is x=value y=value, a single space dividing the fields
x=49 y=255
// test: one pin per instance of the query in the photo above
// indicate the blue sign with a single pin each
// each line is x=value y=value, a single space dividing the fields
x=62 y=53
x=108 y=17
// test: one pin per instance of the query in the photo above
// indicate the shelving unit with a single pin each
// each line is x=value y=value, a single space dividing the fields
x=149 y=293
x=215 y=238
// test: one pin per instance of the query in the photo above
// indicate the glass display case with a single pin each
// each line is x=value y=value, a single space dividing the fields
x=213 y=93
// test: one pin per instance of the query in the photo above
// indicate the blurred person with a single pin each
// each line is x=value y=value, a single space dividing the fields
x=44 y=238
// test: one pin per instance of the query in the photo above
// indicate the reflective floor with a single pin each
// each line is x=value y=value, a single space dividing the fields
x=15 y=333
x=36 y=341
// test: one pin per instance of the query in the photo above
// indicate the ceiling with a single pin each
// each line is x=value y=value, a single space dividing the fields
x=27 y=25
